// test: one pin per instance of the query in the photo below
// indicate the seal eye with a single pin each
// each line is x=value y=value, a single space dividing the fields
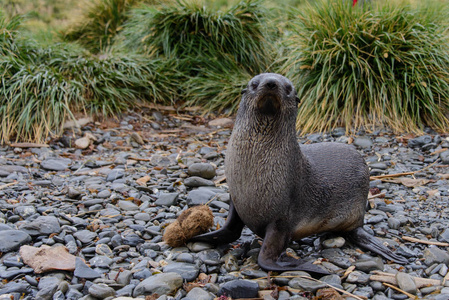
x=254 y=84
x=288 y=88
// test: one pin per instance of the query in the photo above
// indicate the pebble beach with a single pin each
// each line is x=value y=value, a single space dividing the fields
x=83 y=217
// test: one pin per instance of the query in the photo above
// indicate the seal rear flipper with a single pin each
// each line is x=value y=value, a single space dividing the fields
x=231 y=230
x=363 y=239
x=270 y=259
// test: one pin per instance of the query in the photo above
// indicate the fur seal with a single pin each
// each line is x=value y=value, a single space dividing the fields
x=283 y=191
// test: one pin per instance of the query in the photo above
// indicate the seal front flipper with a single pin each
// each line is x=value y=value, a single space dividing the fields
x=270 y=258
x=231 y=230
x=363 y=239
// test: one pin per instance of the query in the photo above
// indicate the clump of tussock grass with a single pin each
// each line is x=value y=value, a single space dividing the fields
x=42 y=86
x=100 y=23
x=384 y=63
x=217 y=86
x=217 y=50
x=187 y=29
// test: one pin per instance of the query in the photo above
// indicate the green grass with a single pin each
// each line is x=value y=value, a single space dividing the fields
x=382 y=64
x=217 y=86
x=101 y=21
x=42 y=86
x=189 y=29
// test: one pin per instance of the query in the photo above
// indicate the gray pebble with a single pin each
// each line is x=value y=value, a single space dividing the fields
x=162 y=283
x=11 y=240
x=406 y=282
x=101 y=291
x=204 y=170
x=239 y=289
x=189 y=272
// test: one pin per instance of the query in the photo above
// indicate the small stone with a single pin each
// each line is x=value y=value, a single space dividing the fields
x=406 y=282
x=337 y=242
x=203 y=170
x=357 y=277
x=56 y=164
x=444 y=156
x=103 y=249
x=14 y=287
x=368 y=265
x=196 y=181
x=85 y=236
x=82 y=143
x=333 y=280
x=199 y=196
x=419 y=141
x=167 y=199
x=101 y=291
x=43 y=225
x=124 y=278
x=394 y=223
x=127 y=205
x=115 y=174
x=189 y=272
x=74 y=193
x=161 y=284
x=83 y=271
x=363 y=142
x=210 y=257
x=239 y=289
x=435 y=255
x=198 y=293
x=378 y=165
x=25 y=211
x=11 y=240
x=46 y=258
x=306 y=284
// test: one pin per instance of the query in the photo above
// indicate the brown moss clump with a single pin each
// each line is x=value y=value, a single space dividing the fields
x=193 y=221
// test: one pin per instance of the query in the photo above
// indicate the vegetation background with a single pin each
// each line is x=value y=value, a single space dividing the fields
x=378 y=63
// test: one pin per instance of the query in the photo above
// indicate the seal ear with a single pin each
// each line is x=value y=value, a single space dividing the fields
x=297 y=99
x=244 y=91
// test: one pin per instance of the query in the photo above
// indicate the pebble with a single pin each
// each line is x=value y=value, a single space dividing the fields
x=363 y=142
x=306 y=284
x=167 y=199
x=199 y=294
x=84 y=271
x=101 y=291
x=188 y=271
x=203 y=170
x=12 y=239
x=162 y=283
x=92 y=204
x=337 y=242
x=239 y=289
x=42 y=225
x=406 y=283
x=56 y=164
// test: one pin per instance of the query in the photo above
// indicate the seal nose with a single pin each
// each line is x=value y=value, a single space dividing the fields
x=271 y=83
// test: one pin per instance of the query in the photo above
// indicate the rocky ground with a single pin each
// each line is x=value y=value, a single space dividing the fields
x=88 y=223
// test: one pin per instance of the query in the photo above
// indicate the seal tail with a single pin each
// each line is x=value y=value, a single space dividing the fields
x=363 y=239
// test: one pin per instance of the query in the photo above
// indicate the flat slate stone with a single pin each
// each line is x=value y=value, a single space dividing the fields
x=56 y=164
x=43 y=225
x=83 y=271
x=161 y=284
x=11 y=240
